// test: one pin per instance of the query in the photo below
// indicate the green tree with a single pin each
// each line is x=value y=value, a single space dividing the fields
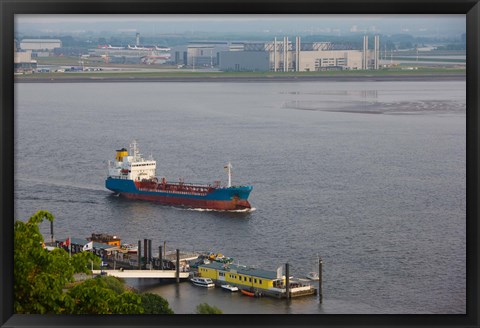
x=43 y=280
x=155 y=304
x=104 y=295
x=204 y=308
x=39 y=275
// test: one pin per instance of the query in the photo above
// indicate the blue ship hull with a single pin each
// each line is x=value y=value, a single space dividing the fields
x=196 y=196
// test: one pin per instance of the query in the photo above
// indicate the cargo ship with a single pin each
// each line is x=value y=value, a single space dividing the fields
x=132 y=176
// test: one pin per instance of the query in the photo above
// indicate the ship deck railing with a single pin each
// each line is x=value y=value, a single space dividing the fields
x=178 y=192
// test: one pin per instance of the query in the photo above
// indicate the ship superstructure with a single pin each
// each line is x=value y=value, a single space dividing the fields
x=132 y=176
x=131 y=167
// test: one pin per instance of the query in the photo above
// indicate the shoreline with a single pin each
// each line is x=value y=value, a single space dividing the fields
x=243 y=79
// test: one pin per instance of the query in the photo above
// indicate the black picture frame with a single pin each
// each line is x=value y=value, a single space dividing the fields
x=9 y=8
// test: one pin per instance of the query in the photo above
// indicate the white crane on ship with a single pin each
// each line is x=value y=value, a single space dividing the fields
x=228 y=168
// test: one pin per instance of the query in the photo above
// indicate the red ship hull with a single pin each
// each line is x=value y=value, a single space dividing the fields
x=219 y=205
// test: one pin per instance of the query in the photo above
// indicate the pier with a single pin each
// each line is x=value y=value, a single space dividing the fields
x=138 y=262
x=158 y=274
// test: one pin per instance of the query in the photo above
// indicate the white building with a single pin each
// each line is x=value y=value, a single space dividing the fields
x=22 y=62
x=286 y=55
x=205 y=54
x=40 y=44
x=22 y=57
x=310 y=61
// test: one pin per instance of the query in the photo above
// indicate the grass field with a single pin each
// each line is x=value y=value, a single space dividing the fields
x=433 y=60
x=181 y=74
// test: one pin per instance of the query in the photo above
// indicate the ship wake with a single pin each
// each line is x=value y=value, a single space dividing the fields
x=243 y=210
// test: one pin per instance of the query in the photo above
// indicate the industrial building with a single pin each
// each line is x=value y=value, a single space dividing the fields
x=286 y=56
x=40 y=44
x=278 y=55
x=205 y=54
x=240 y=61
x=23 y=63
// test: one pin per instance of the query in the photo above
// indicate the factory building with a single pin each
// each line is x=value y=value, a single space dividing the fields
x=279 y=55
x=205 y=54
x=310 y=61
x=40 y=44
x=284 y=55
x=22 y=62
x=241 y=61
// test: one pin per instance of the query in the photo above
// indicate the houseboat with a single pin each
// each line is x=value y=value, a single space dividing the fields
x=266 y=282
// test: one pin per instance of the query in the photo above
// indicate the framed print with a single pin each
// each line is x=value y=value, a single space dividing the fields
x=285 y=163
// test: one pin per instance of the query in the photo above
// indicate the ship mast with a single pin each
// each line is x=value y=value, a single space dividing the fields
x=134 y=151
x=228 y=168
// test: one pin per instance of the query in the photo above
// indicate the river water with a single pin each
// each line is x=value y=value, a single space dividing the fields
x=371 y=176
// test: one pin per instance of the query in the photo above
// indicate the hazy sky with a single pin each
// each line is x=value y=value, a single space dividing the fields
x=429 y=25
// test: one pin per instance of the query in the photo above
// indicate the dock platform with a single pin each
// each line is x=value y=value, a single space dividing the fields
x=160 y=274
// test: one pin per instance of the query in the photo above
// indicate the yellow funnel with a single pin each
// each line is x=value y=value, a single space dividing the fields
x=121 y=154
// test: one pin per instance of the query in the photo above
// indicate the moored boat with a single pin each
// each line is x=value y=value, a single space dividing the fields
x=246 y=292
x=219 y=257
x=230 y=288
x=202 y=282
x=130 y=248
x=313 y=275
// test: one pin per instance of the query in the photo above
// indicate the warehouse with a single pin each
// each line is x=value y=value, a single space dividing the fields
x=40 y=44
x=244 y=61
x=205 y=54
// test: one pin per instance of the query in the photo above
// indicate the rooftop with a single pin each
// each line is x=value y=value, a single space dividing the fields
x=82 y=242
x=41 y=40
x=241 y=269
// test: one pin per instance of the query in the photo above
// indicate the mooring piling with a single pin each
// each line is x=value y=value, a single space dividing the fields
x=139 y=255
x=52 y=239
x=287 y=277
x=177 y=266
x=145 y=251
x=160 y=257
x=320 y=280
x=150 y=253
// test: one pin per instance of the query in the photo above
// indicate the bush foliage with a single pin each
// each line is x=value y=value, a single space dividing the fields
x=204 y=308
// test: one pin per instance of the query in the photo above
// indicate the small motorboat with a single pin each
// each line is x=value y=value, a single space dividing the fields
x=313 y=275
x=130 y=248
x=230 y=288
x=246 y=292
x=202 y=282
